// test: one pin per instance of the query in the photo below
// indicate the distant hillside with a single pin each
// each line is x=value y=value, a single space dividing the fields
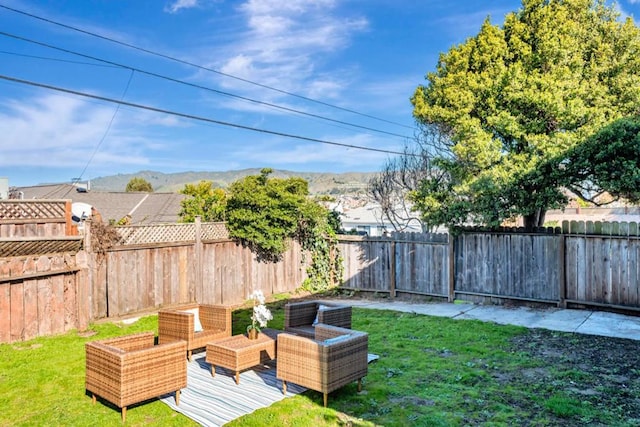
x=319 y=183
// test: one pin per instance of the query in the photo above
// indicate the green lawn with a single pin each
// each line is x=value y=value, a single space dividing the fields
x=431 y=372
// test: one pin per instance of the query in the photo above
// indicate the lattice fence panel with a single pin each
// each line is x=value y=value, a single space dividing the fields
x=15 y=248
x=32 y=209
x=168 y=233
x=214 y=231
x=161 y=233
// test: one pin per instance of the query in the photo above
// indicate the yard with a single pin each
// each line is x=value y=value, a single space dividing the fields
x=432 y=371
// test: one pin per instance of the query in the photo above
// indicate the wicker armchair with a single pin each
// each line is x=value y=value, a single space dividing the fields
x=299 y=317
x=131 y=369
x=323 y=365
x=176 y=324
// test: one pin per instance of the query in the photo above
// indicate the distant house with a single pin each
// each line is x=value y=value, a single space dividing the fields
x=368 y=220
x=137 y=208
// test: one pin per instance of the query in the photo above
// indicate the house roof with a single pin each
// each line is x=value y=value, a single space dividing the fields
x=144 y=208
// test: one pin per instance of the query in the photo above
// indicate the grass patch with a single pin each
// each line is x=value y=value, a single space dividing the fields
x=432 y=372
x=569 y=407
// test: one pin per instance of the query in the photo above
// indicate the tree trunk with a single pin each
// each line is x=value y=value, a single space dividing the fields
x=534 y=219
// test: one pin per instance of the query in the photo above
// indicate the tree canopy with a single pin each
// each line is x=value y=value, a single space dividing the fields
x=514 y=97
x=205 y=201
x=138 y=184
x=607 y=162
x=265 y=214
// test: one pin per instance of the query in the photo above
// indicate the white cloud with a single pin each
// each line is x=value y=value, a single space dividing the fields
x=624 y=13
x=284 y=43
x=177 y=5
x=57 y=131
x=300 y=153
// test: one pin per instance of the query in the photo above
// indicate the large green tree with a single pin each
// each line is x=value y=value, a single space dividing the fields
x=139 y=184
x=204 y=201
x=266 y=213
x=515 y=96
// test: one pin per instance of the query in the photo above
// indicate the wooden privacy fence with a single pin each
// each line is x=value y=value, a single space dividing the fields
x=43 y=284
x=41 y=295
x=415 y=263
x=67 y=284
x=602 y=264
x=164 y=266
x=582 y=263
x=508 y=265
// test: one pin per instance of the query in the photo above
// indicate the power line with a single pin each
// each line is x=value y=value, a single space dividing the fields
x=45 y=58
x=160 y=76
x=191 y=64
x=193 y=117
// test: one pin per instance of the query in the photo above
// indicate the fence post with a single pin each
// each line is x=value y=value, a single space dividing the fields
x=69 y=228
x=452 y=266
x=91 y=275
x=562 y=279
x=199 y=291
x=392 y=290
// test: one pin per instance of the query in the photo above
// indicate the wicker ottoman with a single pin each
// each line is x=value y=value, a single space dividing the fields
x=238 y=352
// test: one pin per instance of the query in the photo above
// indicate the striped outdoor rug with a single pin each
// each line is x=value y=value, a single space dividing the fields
x=214 y=401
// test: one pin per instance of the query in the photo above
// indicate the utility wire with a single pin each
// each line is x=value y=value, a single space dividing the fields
x=160 y=76
x=193 y=117
x=191 y=64
x=46 y=58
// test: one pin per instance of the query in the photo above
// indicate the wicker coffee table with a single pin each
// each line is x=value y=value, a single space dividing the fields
x=239 y=352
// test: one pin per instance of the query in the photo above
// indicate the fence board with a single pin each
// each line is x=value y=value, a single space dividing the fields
x=634 y=259
x=17 y=312
x=69 y=301
x=56 y=287
x=44 y=308
x=30 y=301
x=5 y=312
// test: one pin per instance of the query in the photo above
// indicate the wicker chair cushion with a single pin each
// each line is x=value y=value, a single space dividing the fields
x=334 y=340
x=320 y=308
x=197 y=326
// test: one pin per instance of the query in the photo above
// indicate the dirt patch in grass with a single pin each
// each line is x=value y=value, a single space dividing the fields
x=600 y=374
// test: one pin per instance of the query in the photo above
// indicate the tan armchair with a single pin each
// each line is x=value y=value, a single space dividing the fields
x=323 y=365
x=178 y=324
x=299 y=317
x=131 y=369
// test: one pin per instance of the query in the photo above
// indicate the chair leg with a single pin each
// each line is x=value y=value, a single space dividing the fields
x=177 y=397
x=124 y=414
x=324 y=397
x=189 y=355
x=359 y=385
x=93 y=398
x=284 y=387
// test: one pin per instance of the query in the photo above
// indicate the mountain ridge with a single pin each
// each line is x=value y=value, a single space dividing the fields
x=319 y=182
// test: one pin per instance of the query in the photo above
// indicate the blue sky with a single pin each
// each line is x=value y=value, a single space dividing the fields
x=343 y=71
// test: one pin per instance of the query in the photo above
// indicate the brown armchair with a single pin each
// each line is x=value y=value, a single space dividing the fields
x=178 y=324
x=299 y=317
x=131 y=369
x=336 y=357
